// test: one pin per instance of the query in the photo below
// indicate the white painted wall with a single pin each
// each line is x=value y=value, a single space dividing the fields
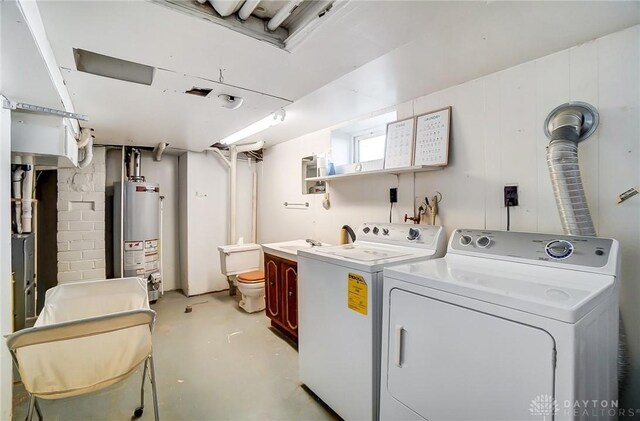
x=204 y=211
x=6 y=369
x=497 y=139
x=165 y=173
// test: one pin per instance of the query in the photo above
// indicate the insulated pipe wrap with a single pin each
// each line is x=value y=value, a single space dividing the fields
x=564 y=169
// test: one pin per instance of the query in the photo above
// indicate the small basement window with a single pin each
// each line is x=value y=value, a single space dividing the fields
x=369 y=146
x=361 y=141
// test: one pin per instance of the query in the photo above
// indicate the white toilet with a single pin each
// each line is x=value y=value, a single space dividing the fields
x=242 y=262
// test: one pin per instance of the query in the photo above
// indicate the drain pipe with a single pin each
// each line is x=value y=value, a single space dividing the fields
x=232 y=164
x=27 y=194
x=86 y=143
x=234 y=168
x=254 y=207
x=566 y=126
x=18 y=175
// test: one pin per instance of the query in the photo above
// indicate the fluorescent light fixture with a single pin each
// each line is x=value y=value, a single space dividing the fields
x=260 y=125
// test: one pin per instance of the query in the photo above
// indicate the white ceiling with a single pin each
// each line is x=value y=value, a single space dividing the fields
x=477 y=42
x=369 y=56
x=24 y=75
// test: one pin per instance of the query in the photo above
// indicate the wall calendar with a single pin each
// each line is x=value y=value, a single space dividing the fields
x=399 y=145
x=432 y=138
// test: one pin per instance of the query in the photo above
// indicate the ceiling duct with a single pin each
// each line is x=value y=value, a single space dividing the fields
x=111 y=67
x=199 y=91
x=284 y=24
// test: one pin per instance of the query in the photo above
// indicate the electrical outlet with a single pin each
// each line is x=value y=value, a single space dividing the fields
x=393 y=195
x=510 y=196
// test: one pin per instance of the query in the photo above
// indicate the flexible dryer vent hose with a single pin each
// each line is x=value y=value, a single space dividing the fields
x=562 y=160
x=565 y=129
x=566 y=126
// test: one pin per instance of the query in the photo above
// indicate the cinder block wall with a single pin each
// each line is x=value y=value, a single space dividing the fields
x=81 y=216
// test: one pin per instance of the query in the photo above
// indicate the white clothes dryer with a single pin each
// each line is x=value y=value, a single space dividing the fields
x=507 y=326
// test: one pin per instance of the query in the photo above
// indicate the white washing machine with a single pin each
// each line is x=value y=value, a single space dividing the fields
x=340 y=311
x=507 y=326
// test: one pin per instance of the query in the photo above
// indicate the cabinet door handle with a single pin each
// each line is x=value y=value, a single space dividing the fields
x=290 y=293
x=398 y=346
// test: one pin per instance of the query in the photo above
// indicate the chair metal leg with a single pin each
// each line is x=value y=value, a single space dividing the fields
x=38 y=411
x=144 y=377
x=153 y=388
x=139 y=410
x=32 y=405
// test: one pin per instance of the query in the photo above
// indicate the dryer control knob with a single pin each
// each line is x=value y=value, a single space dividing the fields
x=414 y=234
x=465 y=240
x=559 y=249
x=483 y=242
x=366 y=230
x=385 y=231
x=376 y=230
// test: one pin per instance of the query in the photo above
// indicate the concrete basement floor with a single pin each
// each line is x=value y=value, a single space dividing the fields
x=215 y=363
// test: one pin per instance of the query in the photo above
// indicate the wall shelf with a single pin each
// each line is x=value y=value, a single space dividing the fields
x=392 y=171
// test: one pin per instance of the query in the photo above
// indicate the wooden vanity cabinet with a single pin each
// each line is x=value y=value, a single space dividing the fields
x=281 y=294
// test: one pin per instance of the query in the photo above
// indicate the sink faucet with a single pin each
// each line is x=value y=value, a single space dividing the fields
x=313 y=242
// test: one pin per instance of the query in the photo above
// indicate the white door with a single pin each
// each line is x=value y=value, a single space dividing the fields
x=451 y=363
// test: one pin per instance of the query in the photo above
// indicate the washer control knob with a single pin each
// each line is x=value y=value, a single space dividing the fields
x=376 y=230
x=385 y=231
x=465 y=240
x=559 y=249
x=414 y=234
x=483 y=242
x=366 y=230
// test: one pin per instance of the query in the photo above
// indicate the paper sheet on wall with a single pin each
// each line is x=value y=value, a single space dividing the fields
x=399 y=144
x=432 y=138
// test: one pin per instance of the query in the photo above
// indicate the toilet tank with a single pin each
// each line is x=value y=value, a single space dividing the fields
x=239 y=258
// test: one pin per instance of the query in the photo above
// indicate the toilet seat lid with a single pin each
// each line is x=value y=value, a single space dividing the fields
x=251 y=277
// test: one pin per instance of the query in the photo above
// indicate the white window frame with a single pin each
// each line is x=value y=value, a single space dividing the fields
x=357 y=138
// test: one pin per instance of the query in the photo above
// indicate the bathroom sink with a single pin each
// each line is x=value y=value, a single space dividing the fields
x=297 y=247
x=288 y=249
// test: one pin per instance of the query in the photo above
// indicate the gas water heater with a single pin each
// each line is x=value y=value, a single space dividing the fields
x=136 y=228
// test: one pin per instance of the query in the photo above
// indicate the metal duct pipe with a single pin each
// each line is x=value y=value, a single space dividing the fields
x=136 y=171
x=565 y=127
x=247 y=9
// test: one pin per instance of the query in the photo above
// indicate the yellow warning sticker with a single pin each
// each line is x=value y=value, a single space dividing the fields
x=357 y=293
